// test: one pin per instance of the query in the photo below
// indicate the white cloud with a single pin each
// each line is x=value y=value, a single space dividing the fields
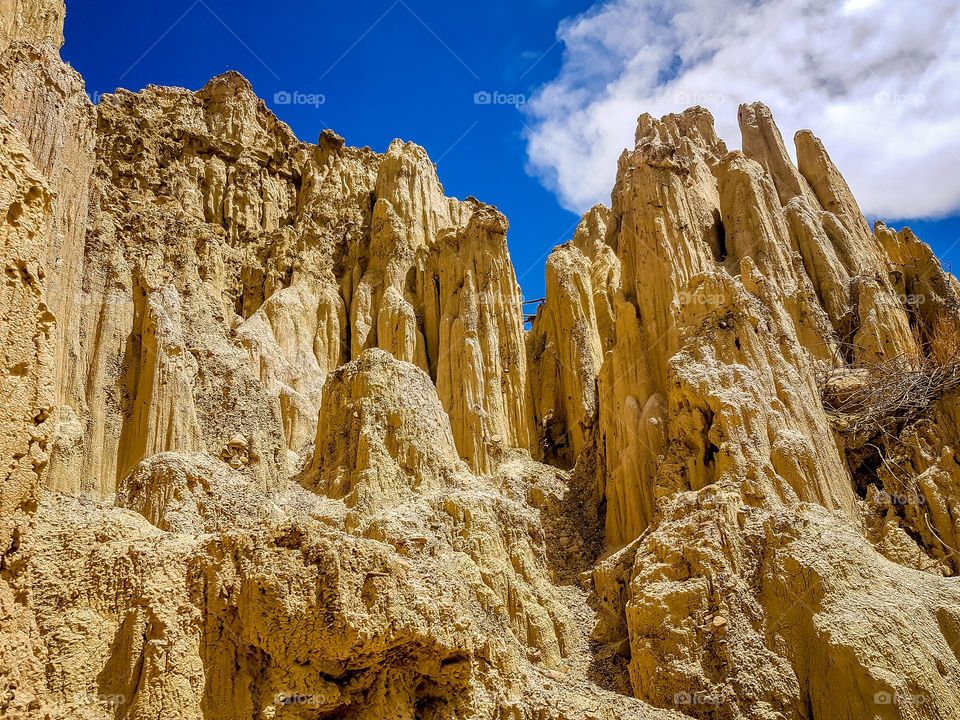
x=877 y=80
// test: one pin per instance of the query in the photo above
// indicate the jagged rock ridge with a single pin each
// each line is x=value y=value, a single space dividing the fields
x=278 y=446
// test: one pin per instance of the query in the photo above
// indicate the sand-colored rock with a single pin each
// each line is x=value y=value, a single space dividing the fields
x=687 y=210
x=481 y=369
x=46 y=100
x=763 y=143
x=27 y=389
x=569 y=338
x=284 y=272
x=38 y=22
x=457 y=319
x=744 y=280
x=783 y=464
x=27 y=347
x=384 y=433
x=277 y=445
x=289 y=604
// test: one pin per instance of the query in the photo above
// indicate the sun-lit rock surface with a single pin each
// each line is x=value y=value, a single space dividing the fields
x=276 y=444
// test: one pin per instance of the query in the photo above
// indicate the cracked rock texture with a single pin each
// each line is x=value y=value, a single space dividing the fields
x=277 y=445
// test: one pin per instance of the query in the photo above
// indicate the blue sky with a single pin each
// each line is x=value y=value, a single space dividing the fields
x=385 y=69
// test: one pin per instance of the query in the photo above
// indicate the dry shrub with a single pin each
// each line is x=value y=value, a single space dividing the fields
x=881 y=398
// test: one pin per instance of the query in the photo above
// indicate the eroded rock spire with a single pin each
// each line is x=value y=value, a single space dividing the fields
x=277 y=445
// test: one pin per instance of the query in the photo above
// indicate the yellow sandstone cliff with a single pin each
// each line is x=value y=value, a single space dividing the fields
x=276 y=443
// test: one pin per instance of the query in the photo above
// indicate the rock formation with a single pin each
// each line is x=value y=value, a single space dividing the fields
x=276 y=444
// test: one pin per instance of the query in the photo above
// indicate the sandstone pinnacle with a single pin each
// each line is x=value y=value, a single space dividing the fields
x=277 y=444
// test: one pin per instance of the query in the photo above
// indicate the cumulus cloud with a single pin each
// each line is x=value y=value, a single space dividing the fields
x=877 y=80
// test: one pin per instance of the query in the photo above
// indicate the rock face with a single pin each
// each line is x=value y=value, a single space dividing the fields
x=37 y=22
x=289 y=258
x=740 y=511
x=276 y=444
x=570 y=337
x=27 y=390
